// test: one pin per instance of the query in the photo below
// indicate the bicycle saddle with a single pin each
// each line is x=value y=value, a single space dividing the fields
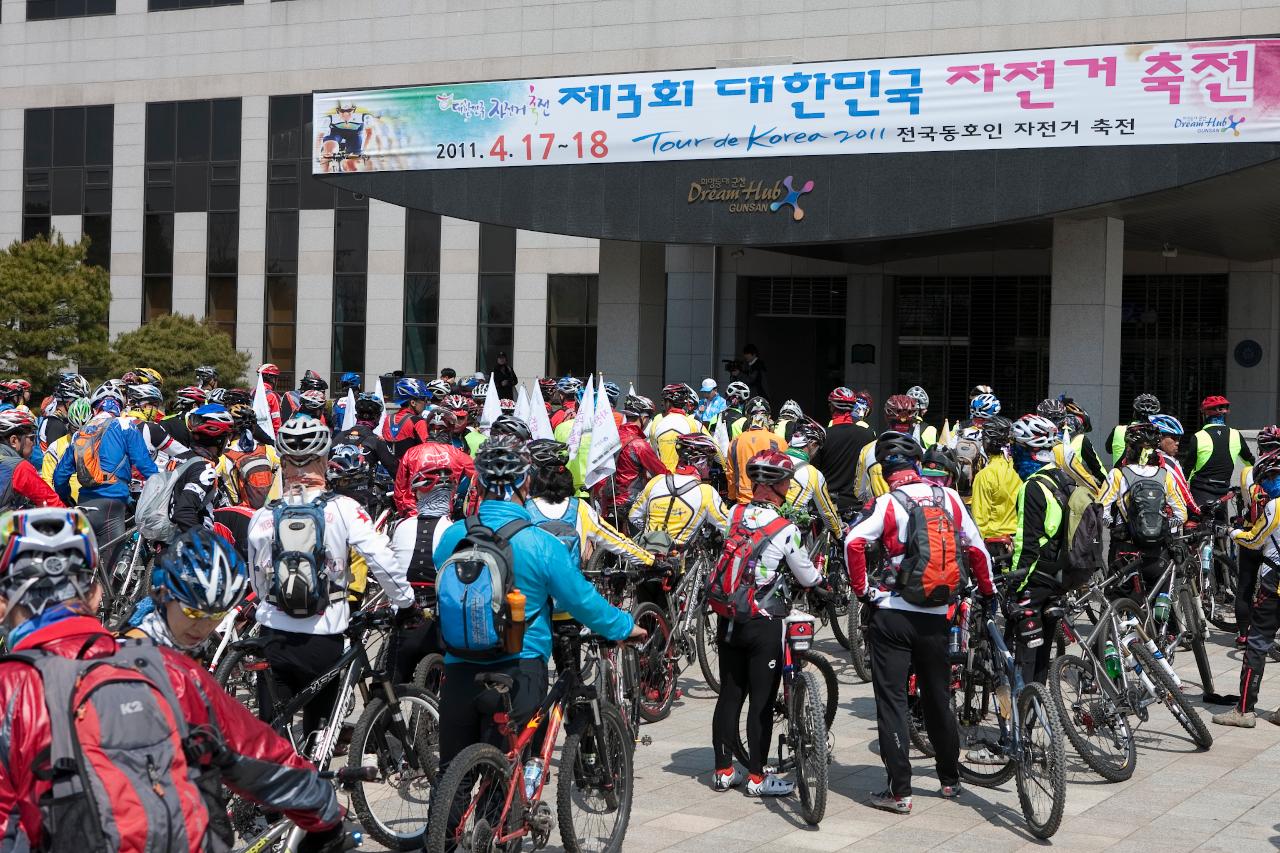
x=496 y=680
x=256 y=645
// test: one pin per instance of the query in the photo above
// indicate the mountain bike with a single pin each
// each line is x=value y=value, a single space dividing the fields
x=284 y=836
x=491 y=800
x=127 y=580
x=1218 y=567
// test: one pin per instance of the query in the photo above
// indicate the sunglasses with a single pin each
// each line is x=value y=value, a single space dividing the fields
x=197 y=615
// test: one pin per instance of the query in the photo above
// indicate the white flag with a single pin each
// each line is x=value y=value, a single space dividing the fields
x=539 y=421
x=262 y=409
x=722 y=435
x=605 y=442
x=492 y=407
x=348 y=411
x=631 y=389
x=582 y=421
x=377 y=392
x=522 y=404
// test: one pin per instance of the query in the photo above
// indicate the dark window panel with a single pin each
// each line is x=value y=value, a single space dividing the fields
x=348 y=348
x=36 y=179
x=161 y=120
x=282 y=299
x=224 y=172
x=226 y=130
x=157 y=297
x=158 y=199
x=35 y=203
x=224 y=197
x=221 y=303
x=193 y=131
x=68 y=136
x=224 y=243
x=278 y=343
x=422 y=298
x=161 y=5
x=66 y=188
x=97 y=177
x=191 y=187
x=282 y=197
x=34 y=226
x=100 y=7
x=286 y=172
x=282 y=242
x=159 y=175
x=69 y=8
x=306 y=127
x=40 y=10
x=315 y=194
x=421 y=241
x=571 y=350
x=497 y=248
x=350 y=296
x=98 y=230
x=37 y=144
x=420 y=346
x=497 y=299
x=350 y=241
x=157 y=243
x=568 y=302
x=99 y=127
x=490 y=341
x=349 y=201
x=97 y=201
x=285 y=127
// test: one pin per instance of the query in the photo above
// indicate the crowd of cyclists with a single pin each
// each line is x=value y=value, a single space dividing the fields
x=283 y=516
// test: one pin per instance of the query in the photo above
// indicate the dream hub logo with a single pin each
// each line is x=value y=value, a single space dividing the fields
x=1210 y=124
x=792 y=198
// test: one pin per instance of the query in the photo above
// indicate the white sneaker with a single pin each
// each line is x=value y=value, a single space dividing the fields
x=725 y=781
x=770 y=786
x=984 y=755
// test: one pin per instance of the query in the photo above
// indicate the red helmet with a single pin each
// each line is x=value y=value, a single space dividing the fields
x=268 y=369
x=546 y=387
x=457 y=404
x=16 y=422
x=1215 y=403
x=771 y=467
x=210 y=422
x=842 y=399
x=1269 y=439
x=431 y=465
x=900 y=409
x=695 y=445
x=507 y=406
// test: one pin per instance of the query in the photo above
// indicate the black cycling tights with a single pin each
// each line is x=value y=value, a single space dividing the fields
x=750 y=670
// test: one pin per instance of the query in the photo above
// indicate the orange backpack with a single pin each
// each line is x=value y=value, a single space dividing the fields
x=932 y=570
x=85 y=446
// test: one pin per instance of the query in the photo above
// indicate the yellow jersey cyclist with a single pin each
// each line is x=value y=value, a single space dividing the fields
x=680 y=504
x=900 y=415
x=1075 y=454
x=808 y=489
x=995 y=490
x=1253 y=501
x=680 y=402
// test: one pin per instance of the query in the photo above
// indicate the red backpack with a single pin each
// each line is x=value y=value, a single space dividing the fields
x=731 y=587
x=931 y=572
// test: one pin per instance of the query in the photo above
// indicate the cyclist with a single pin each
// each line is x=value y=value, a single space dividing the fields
x=56 y=424
x=900 y=413
x=636 y=463
x=679 y=503
x=1264 y=617
x=362 y=434
x=20 y=483
x=862 y=406
x=711 y=404
x=569 y=388
x=541 y=569
x=145 y=401
x=461 y=467
x=48 y=594
x=676 y=422
x=1171 y=433
x=304 y=647
x=1254 y=501
x=299 y=401
x=905 y=635
x=789 y=414
x=996 y=488
x=207 y=377
x=186 y=399
x=938 y=466
x=758 y=436
x=1144 y=406
x=750 y=651
x=195 y=492
x=77 y=414
x=925 y=434
x=808 y=486
x=1076 y=454
x=349 y=382
x=733 y=415
x=402 y=430
x=838 y=458
x=1140 y=462
x=1215 y=452
x=270 y=375
x=343 y=144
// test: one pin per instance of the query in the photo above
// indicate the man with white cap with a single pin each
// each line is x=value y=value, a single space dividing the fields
x=712 y=403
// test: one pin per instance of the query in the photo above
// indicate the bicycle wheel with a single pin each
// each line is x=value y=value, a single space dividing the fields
x=858 y=634
x=1191 y=621
x=428 y=672
x=394 y=807
x=657 y=670
x=1042 y=774
x=238 y=674
x=468 y=801
x=828 y=686
x=808 y=736
x=1219 y=596
x=919 y=735
x=1098 y=730
x=708 y=651
x=593 y=806
x=1172 y=697
x=840 y=604
x=982 y=758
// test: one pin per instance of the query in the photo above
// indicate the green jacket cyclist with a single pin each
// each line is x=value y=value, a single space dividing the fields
x=1144 y=405
x=1213 y=453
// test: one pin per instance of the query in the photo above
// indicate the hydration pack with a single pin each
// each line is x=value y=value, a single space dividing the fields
x=732 y=591
x=300 y=582
x=471 y=590
x=969 y=461
x=1146 y=519
x=931 y=572
x=563 y=528
x=155 y=500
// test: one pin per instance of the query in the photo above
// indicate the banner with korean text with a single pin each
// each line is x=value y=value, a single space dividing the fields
x=1154 y=94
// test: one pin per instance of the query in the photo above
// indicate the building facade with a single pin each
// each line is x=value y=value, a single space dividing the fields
x=177 y=134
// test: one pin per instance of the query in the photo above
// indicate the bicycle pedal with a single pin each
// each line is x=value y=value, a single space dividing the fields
x=646 y=740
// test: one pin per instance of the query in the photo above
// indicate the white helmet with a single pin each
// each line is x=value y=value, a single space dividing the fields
x=1035 y=431
x=921 y=396
x=790 y=410
x=303 y=439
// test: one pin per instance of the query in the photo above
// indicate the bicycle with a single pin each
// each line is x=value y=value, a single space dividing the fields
x=397 y=732
x=485 y=800
x=284 y=836
x=1218 y=567
x=127 y=581
x=1177 y=618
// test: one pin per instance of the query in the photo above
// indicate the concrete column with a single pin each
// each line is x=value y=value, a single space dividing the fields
x=384 y=323
x=866 y=322
x=13 y=12
x=1084 y=323
x=529 y=337
x=632 y=319
x=315 y=292
x=252 y=260
x=1253 y=314
x=128 y=157
x=690 y=336
x=459 y=294
x=190 y=250
x=11 y=130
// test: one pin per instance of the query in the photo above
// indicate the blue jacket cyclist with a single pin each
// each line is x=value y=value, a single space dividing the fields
x=543 y=570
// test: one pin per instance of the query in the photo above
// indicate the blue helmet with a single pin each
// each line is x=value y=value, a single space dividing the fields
x=1167 y=424
x=984 y=406
x=351 y=380
x=407 y=389
x=201 y=570
x=613 y=392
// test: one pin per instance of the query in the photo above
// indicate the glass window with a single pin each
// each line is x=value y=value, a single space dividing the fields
x=37 y=145
x=157 y=297
x=282 y=299
x=348 y=348
x=278 y=346
x=349 y=299
x=41 y=10
x=99 y=131
x=421 y=241
x=66 y=191
x=34 y=226
x=571 y=324
x=315 y=193
x=282 y=242
x=420 y=344
x=350 y=241
x=225 y=143
x=191 y=187
x=497 y=248
x=193 y=131
x=497 y=299
x=285 y=119
x=157 y=243
x=492 y=340
x=68 y=137
x=224 y=243
x=161 y=120
x=422 y=298
x=571 y=350
x=98 y=229
x=221 y=305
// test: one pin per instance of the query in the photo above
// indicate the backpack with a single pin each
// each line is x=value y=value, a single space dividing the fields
x=969 y=461
x=563 y=530
x=1146 y=519
x=127 y=773
x=9 y=499
x=731 y=588
x=472 y=587
x=84 y=449
x=253 y=475
x=152 y=511
x=300 y=585
x=1083 y=536
x=931 y=571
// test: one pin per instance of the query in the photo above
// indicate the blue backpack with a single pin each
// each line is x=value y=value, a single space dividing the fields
x=471 y=590
x=563 y=528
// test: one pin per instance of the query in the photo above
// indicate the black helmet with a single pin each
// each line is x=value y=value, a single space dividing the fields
x=510 y=425
x=897 y=448
x=942 y=459
x=368 y=407
x=501 y=464
x=312 y=381
x=549 y=453
x=636 y=406
x=809 y=431
x=998 y=430
x=1053 y=409
x=205 y=372
x=1141 y=434
x=1146 y=404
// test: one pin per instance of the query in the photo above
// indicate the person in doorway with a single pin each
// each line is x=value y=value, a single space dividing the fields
x=753 y=371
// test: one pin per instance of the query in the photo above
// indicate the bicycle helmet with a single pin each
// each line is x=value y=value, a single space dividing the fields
x=440 y=423
x=808 y=431
x=190 y=397
x=105 y=394
x=1146 y=404
x=16 y=422
x=311 y=400
x=269 y=369
x=507 y=407
x=673 y=395
x=897 y=449
x=1053 y=409
x=433 y=468
x=921 y=396
x=347 y=466
x=457 y=404
x=210 y=423
x=1266 y=467
x=71 y=386
x=770 y=467
x=1215 y=404
x=407 y=389
x=759 y=415
x=569 y=386
x=502 y=465
x=790 y=410
x=613 y=392
x=231 y=397
x=481 y=391
x=141 y=395
x=548 y=453
x=862 y=404
x=439 y=389
x=512 y=426
x=1141 y=434
x=841 y=399
x=368 y=408
x=78 y=412
x=1269 y=439
x=694 y=446
x=302 y=439
x=546 y=387
x=148 y=376
x=984 y=406
x=997 y=430
x=900 y=409
x=636 y=406
x=351 y=381
x=10 y=391
x=49 y=557
x=312 y=381
x=216 y=395
x=206 y=373
x=1035 y=431
x=939 y=461
x=1077 y=419
x=23 y=385
x=202 y=571
x=737 y=392
x=1167 y=424
x=690 y=397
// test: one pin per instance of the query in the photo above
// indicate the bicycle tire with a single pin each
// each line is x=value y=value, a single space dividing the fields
x=859 y=650
x=1172 y=697
x=1039 y=715
x=809 y=746
x=657 y=687
x=1189 y=617
x=970 y=719
x=842 y=601
x=1222 y=613
x=916 y=729
x=480 y=762
x=576 y=769
x=241 y=683
x=708 y=652
x=831 y=697
x=423 y=725
x=825 y=690
x=428 y=673
x=1080 y=723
